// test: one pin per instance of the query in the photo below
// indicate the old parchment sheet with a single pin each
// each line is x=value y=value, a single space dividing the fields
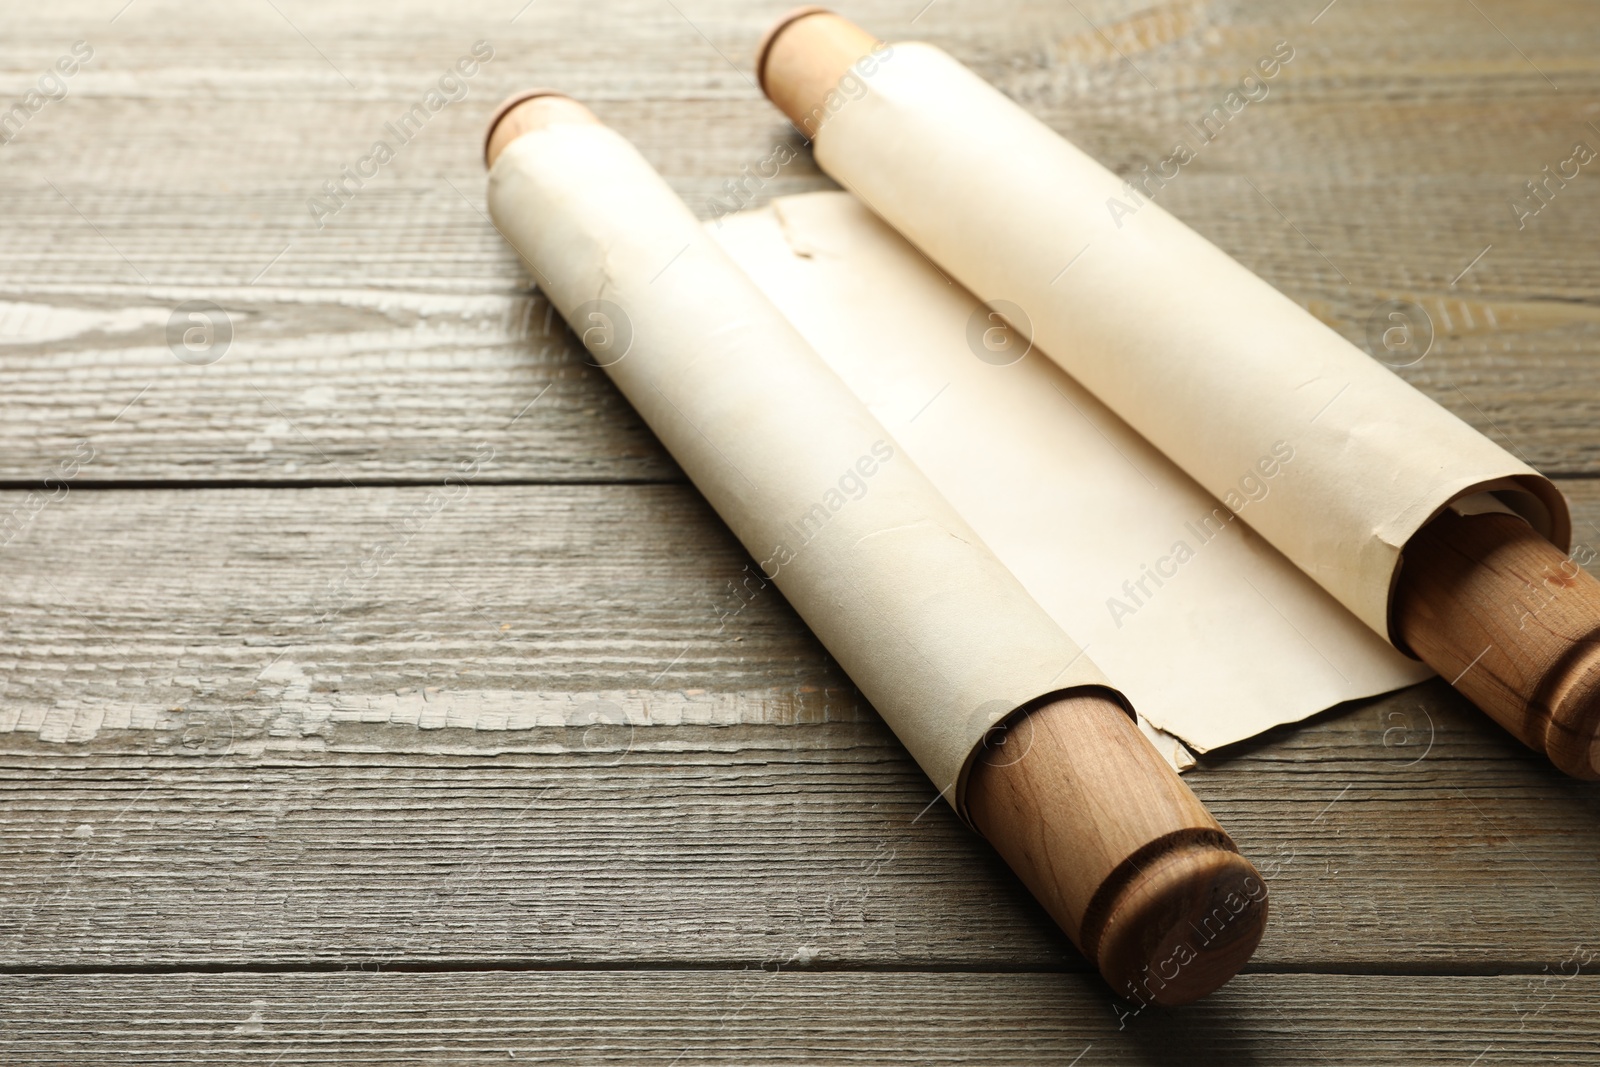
x=1211 y=633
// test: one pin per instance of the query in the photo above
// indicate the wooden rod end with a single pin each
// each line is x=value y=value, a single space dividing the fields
x=781 y=23
x=1185 y=923
x=527 y=111
x=1118 y=850
x=801 y=59
x=1514 y=624
x=1572 y=734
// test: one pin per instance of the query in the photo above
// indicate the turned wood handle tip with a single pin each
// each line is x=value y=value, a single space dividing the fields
x=1187 y=922
x=770 y=37
x=801 y=58
x=527 y=111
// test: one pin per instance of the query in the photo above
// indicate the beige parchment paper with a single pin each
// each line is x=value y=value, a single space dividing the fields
x=1211 y=633
x=1206 y=361
x=937 y=633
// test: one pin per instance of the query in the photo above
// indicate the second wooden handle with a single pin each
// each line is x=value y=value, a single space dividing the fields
x=1514 y=624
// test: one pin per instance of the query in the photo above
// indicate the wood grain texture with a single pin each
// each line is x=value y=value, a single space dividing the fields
x=1405 y=833
x=1378 y=166
x=762 y=1017
x=321 y=604
x=203 y=767
x=468 y=605
x=547 y=731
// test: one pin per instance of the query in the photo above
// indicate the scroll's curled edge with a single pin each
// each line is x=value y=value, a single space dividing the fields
x=936 y=632
x=1211 y=633
x=1208 y=362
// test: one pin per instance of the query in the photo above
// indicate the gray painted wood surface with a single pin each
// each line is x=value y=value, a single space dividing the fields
x=539 y=785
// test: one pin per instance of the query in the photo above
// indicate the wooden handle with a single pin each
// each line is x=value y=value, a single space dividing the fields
x=1513 y=624
x=801 y=59
x=1118 y=850
x=525 y=112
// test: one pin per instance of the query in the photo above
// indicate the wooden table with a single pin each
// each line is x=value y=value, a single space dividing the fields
x=378 y=691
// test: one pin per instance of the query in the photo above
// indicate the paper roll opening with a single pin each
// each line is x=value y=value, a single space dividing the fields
x=1011 y=722
x=1534 y=499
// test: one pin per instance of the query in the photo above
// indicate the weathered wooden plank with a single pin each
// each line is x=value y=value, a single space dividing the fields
x=293 y=609
x=354 y=386
x=332 y=386
x=761 y=1017
x=733 y=845
x=304 y=603
x=1398 y=166
x=346 y=385
x=214 y=759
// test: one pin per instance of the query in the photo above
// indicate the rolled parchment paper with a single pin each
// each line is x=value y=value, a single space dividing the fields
x=1208 y=362
x=1433 y=536
x=939 y=636
x=936 y=632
